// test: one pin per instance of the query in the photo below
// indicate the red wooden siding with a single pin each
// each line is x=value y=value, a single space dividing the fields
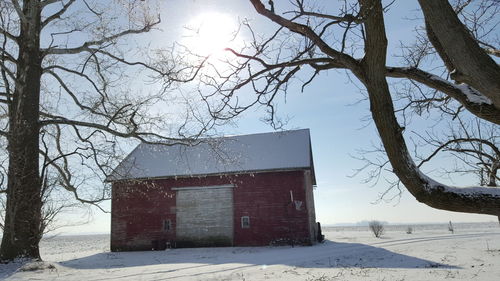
x=139 y=208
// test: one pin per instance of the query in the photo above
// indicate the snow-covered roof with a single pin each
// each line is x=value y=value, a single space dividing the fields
x=286 y=150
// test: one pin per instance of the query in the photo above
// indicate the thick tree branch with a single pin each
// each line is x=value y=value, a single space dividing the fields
x=438 y=47
x=470 y=99
x=48 y=2
x=470 y=62
x=493 y=52
x=345 y=18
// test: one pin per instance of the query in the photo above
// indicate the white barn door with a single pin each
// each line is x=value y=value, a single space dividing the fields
x=204 y=215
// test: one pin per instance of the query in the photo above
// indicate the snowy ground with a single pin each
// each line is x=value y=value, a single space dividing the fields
x=351 y=253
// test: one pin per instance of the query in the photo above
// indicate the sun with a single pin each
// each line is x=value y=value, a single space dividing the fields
x=209 y=33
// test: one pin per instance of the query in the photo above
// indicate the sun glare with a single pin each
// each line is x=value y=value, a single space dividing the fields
x=210 y=33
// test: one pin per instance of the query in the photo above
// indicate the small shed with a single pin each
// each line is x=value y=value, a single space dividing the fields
x=247 y=190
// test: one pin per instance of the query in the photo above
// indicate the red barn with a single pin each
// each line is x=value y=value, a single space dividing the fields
x=247 y=190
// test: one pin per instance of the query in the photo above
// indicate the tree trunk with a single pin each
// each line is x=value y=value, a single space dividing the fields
x=23 y=209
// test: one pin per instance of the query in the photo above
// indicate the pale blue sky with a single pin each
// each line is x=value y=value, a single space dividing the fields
x=337 y=130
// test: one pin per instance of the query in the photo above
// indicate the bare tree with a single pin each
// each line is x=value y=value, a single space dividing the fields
x=70 y=93
x=377 y=228
x=310 y=41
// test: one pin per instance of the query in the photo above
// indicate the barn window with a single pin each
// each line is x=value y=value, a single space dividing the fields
x=245 y=222
x=167 y=225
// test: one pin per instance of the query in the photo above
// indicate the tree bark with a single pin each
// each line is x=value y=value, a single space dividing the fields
x=469 y=62
x=23 y=210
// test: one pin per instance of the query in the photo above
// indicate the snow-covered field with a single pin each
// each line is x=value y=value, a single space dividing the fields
x=431 y=252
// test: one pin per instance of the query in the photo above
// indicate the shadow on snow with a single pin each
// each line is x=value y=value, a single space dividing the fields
x=214 y=260
x=8 y=269
x=329 y=254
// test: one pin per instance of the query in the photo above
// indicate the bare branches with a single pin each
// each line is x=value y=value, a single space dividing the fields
x=8 y=34
x=86 y=47
x=54 y=200
x=57 y=14
x=61 y=164
x=317 y=63
x=133 y=133
x=65 y=176
x=48 y=2
x=305 y=30
x=346 y=17
x=457 y=141
x=261 y=66
x=70 y=92
x=19 y=10
x=473 y=144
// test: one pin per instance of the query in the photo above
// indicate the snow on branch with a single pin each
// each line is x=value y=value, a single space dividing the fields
x=470 y=191
x=472 y=95
x=471 y=99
